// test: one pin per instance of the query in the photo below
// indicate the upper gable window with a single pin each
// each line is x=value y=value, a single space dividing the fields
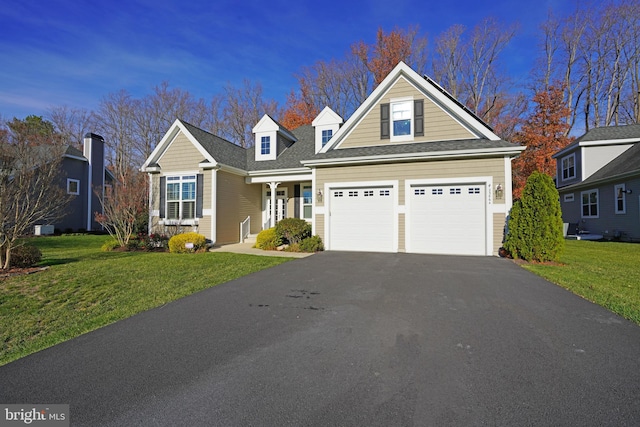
x=569 y=167
x=402 y=119
x=401 y=114
x=265 y=145
x=326 y=136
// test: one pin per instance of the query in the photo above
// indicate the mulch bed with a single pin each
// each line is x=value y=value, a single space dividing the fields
x=21 y=271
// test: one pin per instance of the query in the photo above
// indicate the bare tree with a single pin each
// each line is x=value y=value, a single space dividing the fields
x=31 y=190
x=71 y=123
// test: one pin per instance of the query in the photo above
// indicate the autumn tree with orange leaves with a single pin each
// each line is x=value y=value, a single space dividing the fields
x=543 y=133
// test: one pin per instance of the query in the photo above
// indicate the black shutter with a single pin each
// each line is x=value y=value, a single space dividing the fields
x=163 y=193
x=296 y=201
x=418 y=116
x=199 y=194
x=384 y=121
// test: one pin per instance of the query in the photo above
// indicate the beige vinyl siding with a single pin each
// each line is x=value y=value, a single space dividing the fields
x=204 y=223
x=319 y=230
x=438 y=125
x=155 y=204
x=499 y=222
x=235 y=201
x=401 y=233
x=181 y=156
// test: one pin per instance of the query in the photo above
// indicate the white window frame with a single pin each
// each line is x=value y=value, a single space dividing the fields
x=569 y=197
x=77 y=183
x=568 y=168
x=327 y=134
x=181 y=200
x=621 y=189
x=265 y=145
x=396 y=103
x=306 y=203
x=597 y=204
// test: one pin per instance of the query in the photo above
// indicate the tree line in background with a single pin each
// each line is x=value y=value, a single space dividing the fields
x=588 y=75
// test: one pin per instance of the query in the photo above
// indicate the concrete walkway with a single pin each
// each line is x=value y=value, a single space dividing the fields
x=247 y=248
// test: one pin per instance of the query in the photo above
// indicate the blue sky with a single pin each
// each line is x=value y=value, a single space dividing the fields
x=63 y=52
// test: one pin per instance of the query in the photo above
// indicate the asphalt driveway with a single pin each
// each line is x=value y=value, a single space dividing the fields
x=351 y=339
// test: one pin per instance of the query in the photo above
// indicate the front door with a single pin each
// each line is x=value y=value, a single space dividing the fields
x=281 y=206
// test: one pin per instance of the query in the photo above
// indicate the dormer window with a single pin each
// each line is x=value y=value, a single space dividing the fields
x=326 y=136
x=265 y=145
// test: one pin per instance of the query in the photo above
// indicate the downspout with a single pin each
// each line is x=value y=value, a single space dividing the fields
x=214 y=205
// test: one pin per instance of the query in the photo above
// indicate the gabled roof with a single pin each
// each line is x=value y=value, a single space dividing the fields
x=290 y=158
x=433 y=91
x=624 y=166
x=221 y=150
x=607 y=135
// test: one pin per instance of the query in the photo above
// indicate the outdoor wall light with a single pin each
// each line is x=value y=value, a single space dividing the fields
x=319 y=196
x=622 y=191
x=499 y=191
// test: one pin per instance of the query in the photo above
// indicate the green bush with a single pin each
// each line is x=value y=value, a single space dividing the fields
x=311 y=244
x=535 y=222
x=268 y=240
x=293 y=230
x=109 y=245
x=178 y=243
x=24 y=256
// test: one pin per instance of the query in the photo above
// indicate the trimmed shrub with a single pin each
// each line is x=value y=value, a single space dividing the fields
x=268 y=239
x=109 y=245
x=293 y=230
x=535 y=222
x=311 y=244
x=25 y=256
x=178 y=243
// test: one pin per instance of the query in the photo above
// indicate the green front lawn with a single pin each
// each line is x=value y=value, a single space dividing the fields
x=606 y=273
x=85 y=288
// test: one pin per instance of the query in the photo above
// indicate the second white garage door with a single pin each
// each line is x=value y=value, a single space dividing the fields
x=362 y=219
x=447 y=219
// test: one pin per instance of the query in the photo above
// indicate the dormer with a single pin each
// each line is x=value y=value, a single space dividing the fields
x=271 y=139
x=326 y=125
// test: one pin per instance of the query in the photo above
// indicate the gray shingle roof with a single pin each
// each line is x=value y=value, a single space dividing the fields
x=604 y=134
x=223 y=151
x=419 y=147
x=290 y=158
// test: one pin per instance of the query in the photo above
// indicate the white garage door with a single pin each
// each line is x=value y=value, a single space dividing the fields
x=361 y=219
x=447 y=219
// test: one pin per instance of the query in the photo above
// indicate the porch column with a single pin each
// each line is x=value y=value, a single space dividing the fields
x=273 y=186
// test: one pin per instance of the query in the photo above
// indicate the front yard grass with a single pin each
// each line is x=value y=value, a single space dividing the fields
x=606 y=273
x=85 y=288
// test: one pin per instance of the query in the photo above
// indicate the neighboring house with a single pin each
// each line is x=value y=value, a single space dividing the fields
x=412 y=170
x=84 y=172
x=598 y=178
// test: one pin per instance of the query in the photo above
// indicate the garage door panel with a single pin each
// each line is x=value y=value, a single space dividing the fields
x=361 y=219
x=447 y=219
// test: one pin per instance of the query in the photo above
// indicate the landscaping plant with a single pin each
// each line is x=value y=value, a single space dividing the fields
x=268 y=239
x=535 y=222
x=187 y=243
x=293 y=230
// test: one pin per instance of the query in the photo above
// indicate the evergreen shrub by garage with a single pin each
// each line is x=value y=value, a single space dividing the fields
x=25 y=256
x=311 y=244
x=535 y=223
x=178 y=243
x=268 y=240
x=293 y=230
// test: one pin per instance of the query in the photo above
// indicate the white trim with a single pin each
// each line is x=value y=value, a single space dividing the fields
x=328 y=186
x=152 y=212
x=569 y=198
x=214 y=205
x=595 y=143
x=401 y=138
x=562 y=169
x=315 y=210
x=307 y=176
x=271 y=172
x=77 y=182
x=71 y=156
x=487 y=181
x=452 y=154
x=622 y=188
x=594 y=190
x=508 y=184
x=88 y=148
